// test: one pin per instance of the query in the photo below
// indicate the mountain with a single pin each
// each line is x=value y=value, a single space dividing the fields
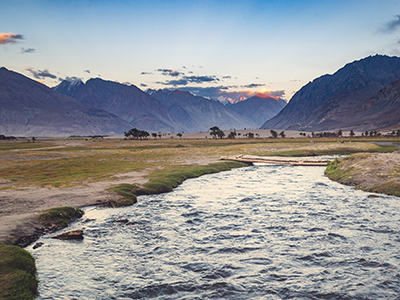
x=381 y=110
x=29 y=108
x=127 y=102
x=200 y=114
x=330 y=101
x=258 y=108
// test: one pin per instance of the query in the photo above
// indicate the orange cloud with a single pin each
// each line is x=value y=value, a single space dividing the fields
x=10 y=38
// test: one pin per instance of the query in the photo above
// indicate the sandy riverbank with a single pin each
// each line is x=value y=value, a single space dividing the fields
x=19 y=208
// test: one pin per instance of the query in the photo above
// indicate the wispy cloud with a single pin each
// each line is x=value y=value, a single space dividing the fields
x=40 y=74
x=253 y=85
x=146 y=73
x=185 y=80
x=28 y=50
x=10 y=38
x=169 y=72
x=392 y=25
x=87 y=71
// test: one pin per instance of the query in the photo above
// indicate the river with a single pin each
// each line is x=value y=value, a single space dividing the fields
x=259 y=232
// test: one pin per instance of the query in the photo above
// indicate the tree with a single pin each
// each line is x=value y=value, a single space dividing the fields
x=154 y=135
x=282 y=134
x=352 y=133
x=250 y=135
x=179 y=134
x=216 y=132
x=340 y=133
x=232 y=135
x=136 y=134
x=274 y=134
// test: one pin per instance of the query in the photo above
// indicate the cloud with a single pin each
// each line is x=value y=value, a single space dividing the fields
x=87 y=71
x=146 y=73
x=40 y=74
x=10 y=38
x=185 y=80
x=28 y=50
x=253 y=85
x=169 y=72
x=174 y=82
x=201 y=79
x=143 y=85
x=392 y=25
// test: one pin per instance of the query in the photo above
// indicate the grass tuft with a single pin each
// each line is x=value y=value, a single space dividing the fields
x=61 y=216
x=17 y=273
x=127 y=193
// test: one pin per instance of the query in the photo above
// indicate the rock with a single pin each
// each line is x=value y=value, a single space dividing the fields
x=37 y=245
x=122 y=221
x=76 y=234
x=374 y=196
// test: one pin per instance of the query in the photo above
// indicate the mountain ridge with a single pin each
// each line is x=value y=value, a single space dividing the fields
x=28 y=107
x=329 y=100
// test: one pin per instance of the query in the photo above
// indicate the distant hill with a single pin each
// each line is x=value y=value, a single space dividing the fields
x=29 y=108
x=258 y=108
x=330 y=102
x=200 y=114
x=127 y=102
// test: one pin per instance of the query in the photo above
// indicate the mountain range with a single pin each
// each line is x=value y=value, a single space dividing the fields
x=362 y=95
x=357 y=96
x=29 y=108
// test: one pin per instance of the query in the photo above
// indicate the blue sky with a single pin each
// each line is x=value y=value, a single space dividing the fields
x=215 y=48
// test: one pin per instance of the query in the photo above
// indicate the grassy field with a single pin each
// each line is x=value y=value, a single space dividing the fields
x=61 y=163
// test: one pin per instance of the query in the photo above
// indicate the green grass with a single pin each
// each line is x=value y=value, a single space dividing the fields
x=166 y=180
x=61 y=216
x=17 y=274
x=127 y=193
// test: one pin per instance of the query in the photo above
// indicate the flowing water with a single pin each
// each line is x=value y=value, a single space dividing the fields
x=261 y=232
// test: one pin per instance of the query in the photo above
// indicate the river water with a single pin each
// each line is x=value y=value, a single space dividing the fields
x=260 y=232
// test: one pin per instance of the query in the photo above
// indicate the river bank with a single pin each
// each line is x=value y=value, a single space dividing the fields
x=371 y=172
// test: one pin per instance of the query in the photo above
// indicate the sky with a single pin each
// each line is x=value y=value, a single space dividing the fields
x=226 y=49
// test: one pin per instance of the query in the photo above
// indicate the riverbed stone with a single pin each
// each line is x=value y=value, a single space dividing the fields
x=75 y=234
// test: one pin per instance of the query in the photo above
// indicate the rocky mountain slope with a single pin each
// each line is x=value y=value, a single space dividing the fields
x=200 y=114
x=258 y=108
x=127 y=102
x=380 y=111
x=330 y=102
x=29 y=108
